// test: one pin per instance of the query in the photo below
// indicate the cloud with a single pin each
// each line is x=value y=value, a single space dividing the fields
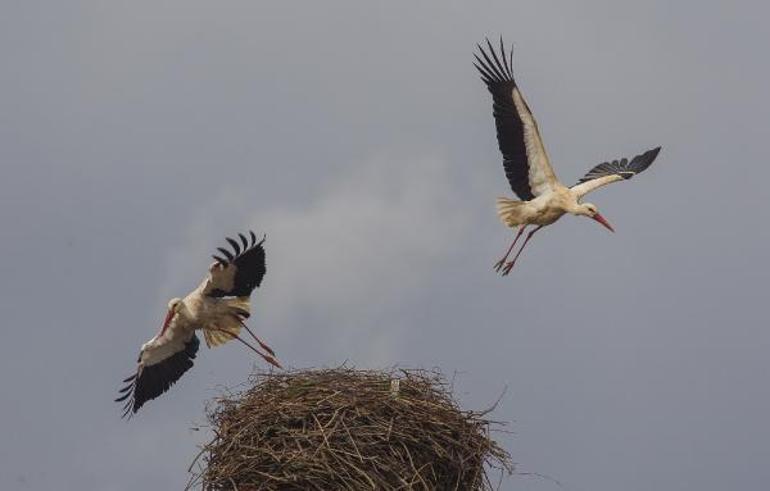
x=342 y=262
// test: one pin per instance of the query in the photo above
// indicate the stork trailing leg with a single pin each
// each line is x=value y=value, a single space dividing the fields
x=261 y=343
x=509 y=266
x=499 y=264
x=264 y=356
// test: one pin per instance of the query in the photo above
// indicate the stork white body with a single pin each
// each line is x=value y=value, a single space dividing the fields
x=543 y=198
x=214 y=316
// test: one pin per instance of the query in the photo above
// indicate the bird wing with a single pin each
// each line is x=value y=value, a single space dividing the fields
x=162 y=361
x=617 y=170
x=525 y=161
x=238 y=273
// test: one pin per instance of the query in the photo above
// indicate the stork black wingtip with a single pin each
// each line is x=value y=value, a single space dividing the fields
x=497 y=61
x=649 y=156
x=494 y=68
x=490 y=66
x=228 y=254
x=234 y=245
x=481 y=67
x=501 y=66
x=486 y=74
x=506 y=68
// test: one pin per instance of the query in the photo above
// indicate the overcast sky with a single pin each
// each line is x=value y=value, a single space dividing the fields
x=358 y=136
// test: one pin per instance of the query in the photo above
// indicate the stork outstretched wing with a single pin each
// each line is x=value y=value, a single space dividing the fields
x=162 y=361
x=238 y=272
x=525 y=161
x=617 y=170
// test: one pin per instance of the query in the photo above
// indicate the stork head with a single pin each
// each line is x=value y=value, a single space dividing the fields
x=589 y=210
x=175 y=306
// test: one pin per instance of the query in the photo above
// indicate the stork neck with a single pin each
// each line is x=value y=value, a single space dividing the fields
x=575 y=208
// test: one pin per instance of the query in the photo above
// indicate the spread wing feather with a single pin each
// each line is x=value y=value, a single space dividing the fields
x=161 y=363
x=622 y=167
x=525 y=161
x=617 y=170
x=238 y=273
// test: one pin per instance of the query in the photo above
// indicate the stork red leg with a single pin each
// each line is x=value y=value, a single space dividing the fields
x=261 y=343
x=265 y=357
x=499 y=264
x=509 y=266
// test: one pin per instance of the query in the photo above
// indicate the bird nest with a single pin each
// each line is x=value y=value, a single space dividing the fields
x=347 y=429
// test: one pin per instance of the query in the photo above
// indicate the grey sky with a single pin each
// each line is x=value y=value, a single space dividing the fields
x=134 y=137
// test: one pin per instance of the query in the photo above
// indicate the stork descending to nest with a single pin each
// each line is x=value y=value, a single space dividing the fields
x=543 y=198
x=218 y=307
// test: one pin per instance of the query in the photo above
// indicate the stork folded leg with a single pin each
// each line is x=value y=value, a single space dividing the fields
x=499 y=264
x=265 y=357
x=509 y=266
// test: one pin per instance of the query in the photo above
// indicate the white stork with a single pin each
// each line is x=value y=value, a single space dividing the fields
x=218 y=307
x=543 y=198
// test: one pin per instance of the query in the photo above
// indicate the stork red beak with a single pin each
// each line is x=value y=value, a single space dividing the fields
x=603 y=221
x=167 y=321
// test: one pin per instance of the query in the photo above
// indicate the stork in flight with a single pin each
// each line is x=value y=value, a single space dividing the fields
x=543 y=198
x=218 y=307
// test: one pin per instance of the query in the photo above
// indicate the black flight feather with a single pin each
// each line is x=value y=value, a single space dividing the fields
x=153 y=380
x=497 y=73
x=622 y=167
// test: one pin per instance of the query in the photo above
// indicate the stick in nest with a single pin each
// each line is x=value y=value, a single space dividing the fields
x=348 y=429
